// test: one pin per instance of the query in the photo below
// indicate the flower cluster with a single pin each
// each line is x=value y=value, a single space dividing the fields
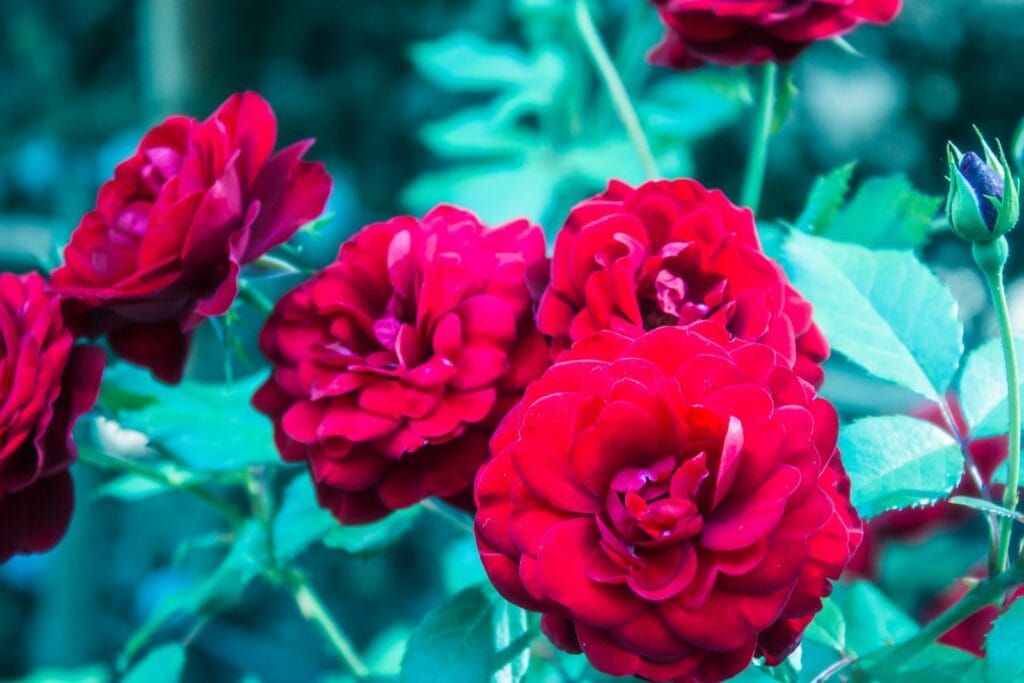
x=668 y=493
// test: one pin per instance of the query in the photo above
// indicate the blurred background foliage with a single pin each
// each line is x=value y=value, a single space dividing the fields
x=491 y=105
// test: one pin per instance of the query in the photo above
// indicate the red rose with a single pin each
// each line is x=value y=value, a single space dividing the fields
x=45 y=385
x=987 y=454
x=674 y=505
x=670 y=253
x=163 y=247
x=394 y=364
x=733 y=32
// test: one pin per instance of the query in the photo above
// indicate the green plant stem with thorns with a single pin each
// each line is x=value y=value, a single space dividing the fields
x=757 y=162
x=991 y=260
x=986 y=593
x=313 y=609
x=616 y=88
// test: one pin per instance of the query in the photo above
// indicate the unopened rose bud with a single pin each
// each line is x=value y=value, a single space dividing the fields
x=984 y=197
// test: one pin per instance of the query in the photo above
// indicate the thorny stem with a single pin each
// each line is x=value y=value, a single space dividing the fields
x=313 y=609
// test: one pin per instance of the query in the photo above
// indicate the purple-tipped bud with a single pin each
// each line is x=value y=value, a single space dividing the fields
x=984 y=181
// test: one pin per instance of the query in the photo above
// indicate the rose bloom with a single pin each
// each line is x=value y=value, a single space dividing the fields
x=673 y=505
x=735 y=32
x=671 y=253
x=163 y=248
x=45 y=385
x=394 y=364
x=914 y=523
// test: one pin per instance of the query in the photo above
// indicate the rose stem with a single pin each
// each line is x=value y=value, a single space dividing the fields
x=758 y=159
x=109 y=462
x=616 y=88
x=984 y=594
x=313 y=609
x=991 y=259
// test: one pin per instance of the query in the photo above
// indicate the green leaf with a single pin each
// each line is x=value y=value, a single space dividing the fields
x=163 y=665
x=692 y=106
x=982 y=390
x=897 y=462
x=368 y=538
x=465 y=62
x=1003 y=661
x=826 y=197
x=216 y=593
x=886 y=212
x=785 y=99
x=461 y=566
x=239 y=437
x=884 y=310
x=986 y=506
x=938 y=663
x=454 y=643
x=96 y=673
x=828 y=628
x=511 y=627
x=300 y=521
x=872 y=620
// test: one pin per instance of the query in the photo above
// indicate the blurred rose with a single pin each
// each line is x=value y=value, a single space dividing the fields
x=735 y=32
x=45 y=385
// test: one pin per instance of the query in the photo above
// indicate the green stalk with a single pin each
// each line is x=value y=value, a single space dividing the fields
x=985 y=593
x=313 y=609
x=616 y=88
x=757 y=162
x=110 y=462
x=991 y=259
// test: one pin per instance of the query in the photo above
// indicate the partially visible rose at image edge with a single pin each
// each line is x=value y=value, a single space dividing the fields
x=393 y=365
x=163 y=248
x=46 y=384
x=731 y=33
x=673 y=504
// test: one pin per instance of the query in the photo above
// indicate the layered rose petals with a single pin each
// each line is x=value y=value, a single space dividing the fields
x=163 y=247
x=672 y=253
x=394 y=364
x=45 y=385
x=673 y=504
x=736 y=32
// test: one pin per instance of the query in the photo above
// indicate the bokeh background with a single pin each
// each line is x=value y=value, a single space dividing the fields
x=412 y=102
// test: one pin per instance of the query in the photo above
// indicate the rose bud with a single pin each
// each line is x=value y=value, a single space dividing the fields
x=164 y=246
x=673 y=505
x=393 y=365
x=46 y=384
x=984 y=198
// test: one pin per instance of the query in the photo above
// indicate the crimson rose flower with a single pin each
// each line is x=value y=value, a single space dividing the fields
x=735 y=32
x=674 y=505
x=45 y=385
x=670 y=253
x=163 y=247
x=394 y=364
